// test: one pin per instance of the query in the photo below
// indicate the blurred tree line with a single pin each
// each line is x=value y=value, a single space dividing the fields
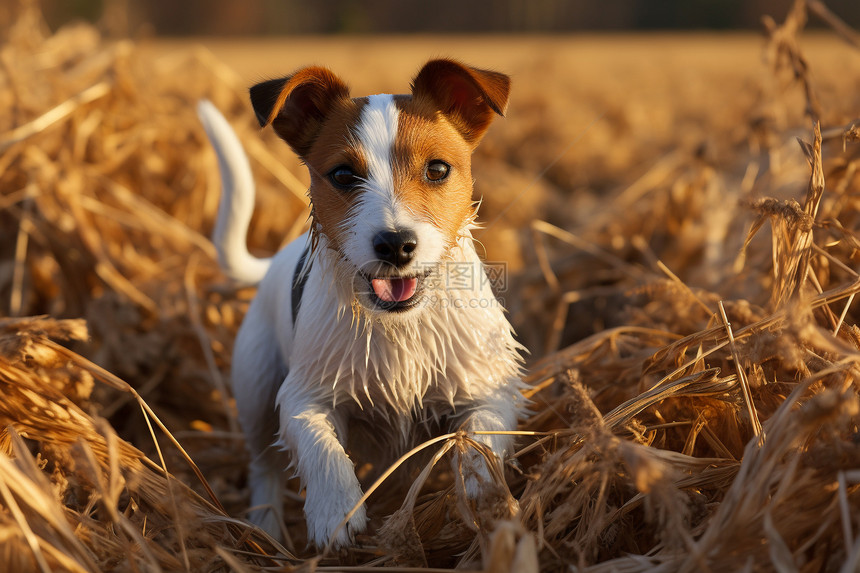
x=273 y=17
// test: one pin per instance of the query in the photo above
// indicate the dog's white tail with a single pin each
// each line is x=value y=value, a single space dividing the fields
x=237 y=199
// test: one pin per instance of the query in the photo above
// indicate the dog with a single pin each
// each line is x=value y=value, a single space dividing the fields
x=360 y=322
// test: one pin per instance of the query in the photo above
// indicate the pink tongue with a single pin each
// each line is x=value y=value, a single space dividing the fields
x=394 y=290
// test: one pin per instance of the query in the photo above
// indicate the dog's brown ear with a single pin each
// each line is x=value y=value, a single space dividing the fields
x=467 y=96
x=297 y=105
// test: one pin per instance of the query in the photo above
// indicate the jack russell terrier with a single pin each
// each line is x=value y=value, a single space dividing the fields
x=380 y=322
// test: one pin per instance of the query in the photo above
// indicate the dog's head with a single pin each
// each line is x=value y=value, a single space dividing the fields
x=391 y=180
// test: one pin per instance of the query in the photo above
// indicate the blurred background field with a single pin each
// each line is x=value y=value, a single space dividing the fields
x=678 y=213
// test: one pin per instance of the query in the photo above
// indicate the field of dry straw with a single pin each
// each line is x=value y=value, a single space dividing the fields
x=680 y=219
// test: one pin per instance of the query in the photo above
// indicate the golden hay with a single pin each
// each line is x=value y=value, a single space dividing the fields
x=694 y=381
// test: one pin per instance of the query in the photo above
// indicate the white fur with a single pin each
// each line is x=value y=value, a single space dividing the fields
x=299 y=386
x=235 y=210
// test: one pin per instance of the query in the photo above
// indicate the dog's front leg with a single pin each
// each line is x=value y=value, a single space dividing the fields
x=308 y=429
x=496 y=413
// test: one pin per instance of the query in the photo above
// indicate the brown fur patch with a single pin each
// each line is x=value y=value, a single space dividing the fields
x=424 y=135
x=298 y=105
x=469 y=97
x=336 y=145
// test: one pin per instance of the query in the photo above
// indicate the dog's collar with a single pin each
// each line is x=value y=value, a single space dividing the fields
x=300 y=277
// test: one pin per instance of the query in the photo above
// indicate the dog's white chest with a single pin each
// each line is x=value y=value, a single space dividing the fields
x=458 y=348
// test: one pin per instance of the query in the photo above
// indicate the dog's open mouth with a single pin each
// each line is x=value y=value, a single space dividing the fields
x=394 y=290
x=393 y=294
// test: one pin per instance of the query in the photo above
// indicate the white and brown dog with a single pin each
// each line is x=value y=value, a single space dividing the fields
x=381 y=319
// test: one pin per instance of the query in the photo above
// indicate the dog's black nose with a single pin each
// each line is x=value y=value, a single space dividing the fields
x=395 y=247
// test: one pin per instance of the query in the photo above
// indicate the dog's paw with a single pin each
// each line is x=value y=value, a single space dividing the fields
x=476 y=475
x=486 y=494
x=325 y=510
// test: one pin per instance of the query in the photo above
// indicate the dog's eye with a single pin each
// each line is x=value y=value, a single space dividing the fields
x=343 y=177
x=437 y=170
